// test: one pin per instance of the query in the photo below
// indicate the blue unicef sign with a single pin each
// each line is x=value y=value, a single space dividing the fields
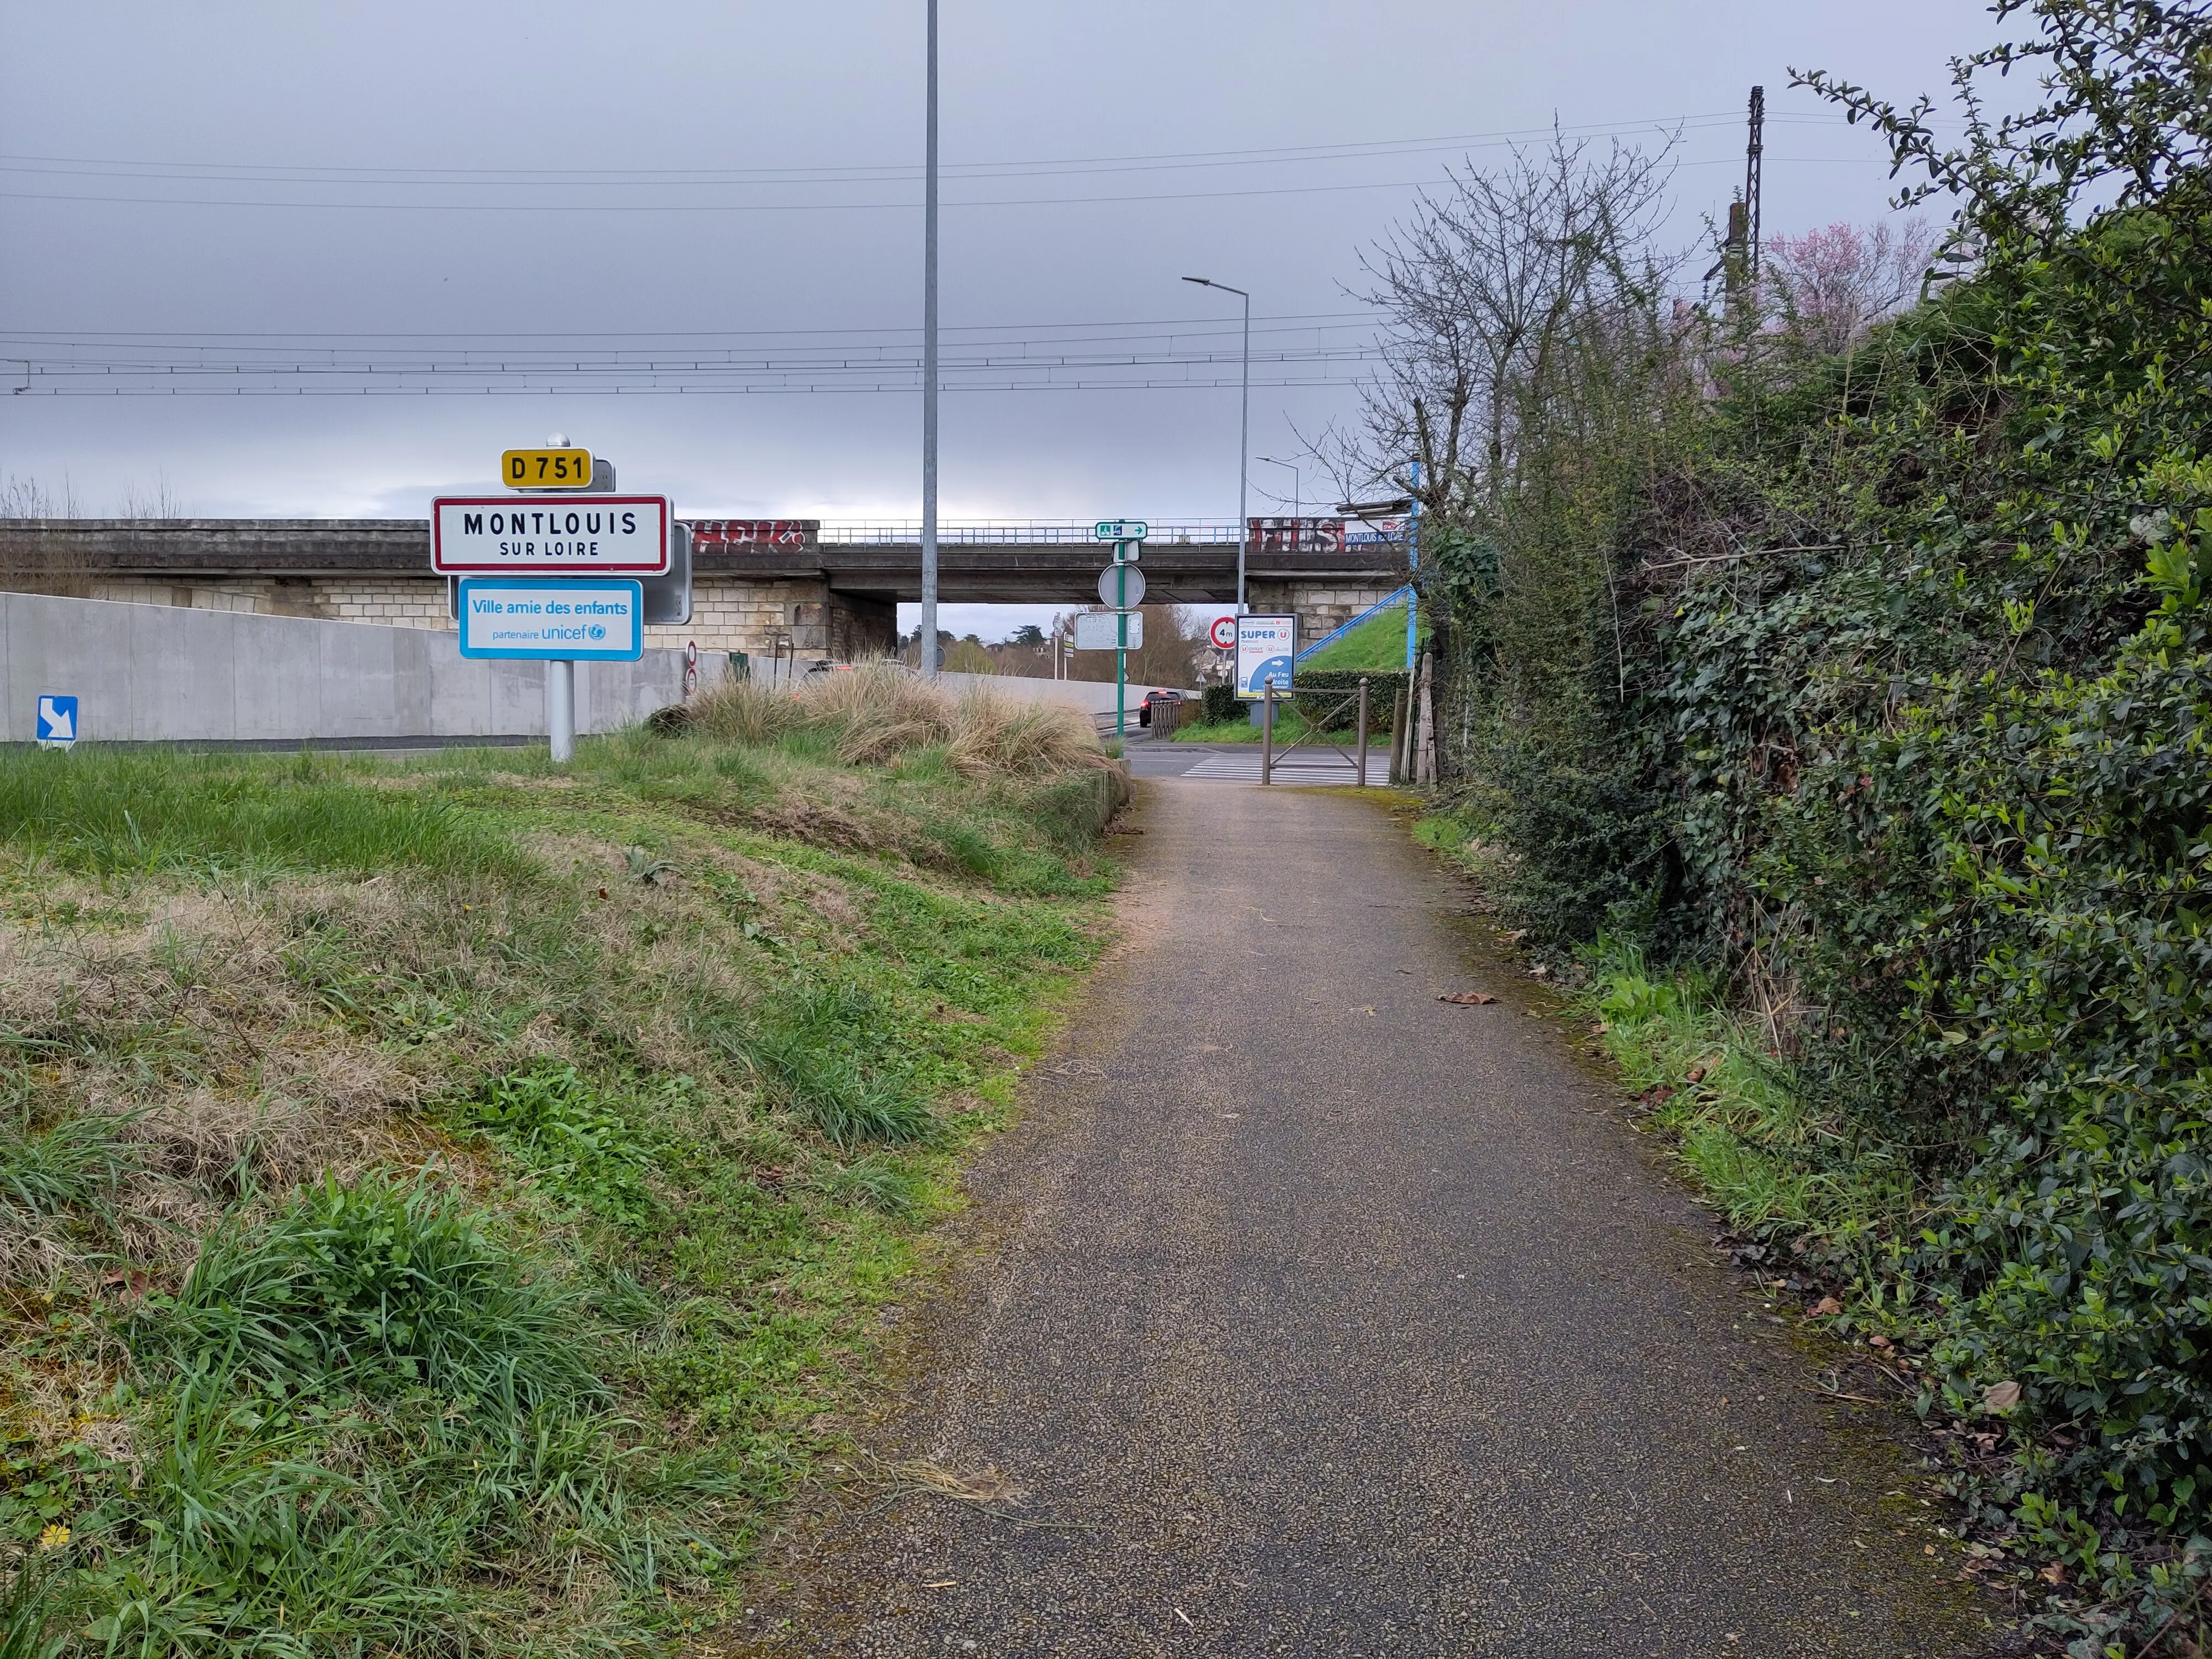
x=552 y=618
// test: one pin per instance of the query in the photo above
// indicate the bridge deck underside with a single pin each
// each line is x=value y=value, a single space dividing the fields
x=1044 y=572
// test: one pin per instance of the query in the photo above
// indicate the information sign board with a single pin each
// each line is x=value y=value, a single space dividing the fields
x=546 y=469
x=1120 y=530
x=1265 y=648
x=543 y=535
x=1097 y=631
x=549 y=618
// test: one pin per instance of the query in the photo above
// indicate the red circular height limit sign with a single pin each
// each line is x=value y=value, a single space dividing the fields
x=1224 y=632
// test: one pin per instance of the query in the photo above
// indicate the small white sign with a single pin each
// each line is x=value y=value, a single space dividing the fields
x=1119 y=585
x=57 y=722
x=1095 y=630
x=1267 y=646
x=552 y=618
x=581 y=534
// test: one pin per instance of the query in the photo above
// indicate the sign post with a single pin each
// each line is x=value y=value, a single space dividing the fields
x=553 y=572
x=1122 y=585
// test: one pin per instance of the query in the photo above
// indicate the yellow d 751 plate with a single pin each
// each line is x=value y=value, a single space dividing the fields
x=546 y=469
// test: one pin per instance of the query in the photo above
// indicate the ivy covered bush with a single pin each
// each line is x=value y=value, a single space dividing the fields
x=1875 y=683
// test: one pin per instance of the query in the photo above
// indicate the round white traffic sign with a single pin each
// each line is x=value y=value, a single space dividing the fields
x=1111 y=588
x=1223 y=632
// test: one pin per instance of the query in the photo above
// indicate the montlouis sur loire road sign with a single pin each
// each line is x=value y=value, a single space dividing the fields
x=592 y=535
x=552 y=618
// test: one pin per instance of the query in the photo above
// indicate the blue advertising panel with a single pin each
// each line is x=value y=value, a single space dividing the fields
x=552 y=618
x=1265 y=647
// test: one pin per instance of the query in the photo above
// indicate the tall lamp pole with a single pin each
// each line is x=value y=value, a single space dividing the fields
x=929 y=371
x=1243 y=429
x=1297 y=491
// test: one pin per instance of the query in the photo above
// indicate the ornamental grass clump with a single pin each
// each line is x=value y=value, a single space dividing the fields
x=878 y=711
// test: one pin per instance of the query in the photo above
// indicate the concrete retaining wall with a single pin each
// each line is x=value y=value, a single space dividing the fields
x=148 y=673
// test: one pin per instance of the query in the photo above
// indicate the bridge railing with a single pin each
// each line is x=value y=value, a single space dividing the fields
x=1032 y=533
x=1006 y=532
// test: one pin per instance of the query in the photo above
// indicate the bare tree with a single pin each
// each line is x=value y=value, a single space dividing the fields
x=37 y=557
x=137 y=502
x=1480 y=294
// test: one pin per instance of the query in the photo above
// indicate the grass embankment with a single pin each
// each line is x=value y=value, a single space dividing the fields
x=442 y=1208
x=1378 y=645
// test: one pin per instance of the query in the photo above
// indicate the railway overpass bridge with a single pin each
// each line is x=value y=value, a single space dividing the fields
x=827 y=589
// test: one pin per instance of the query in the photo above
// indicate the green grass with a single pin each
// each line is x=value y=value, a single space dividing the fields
x=1377 y=646
x=1768 y=1156
x=444 y=1205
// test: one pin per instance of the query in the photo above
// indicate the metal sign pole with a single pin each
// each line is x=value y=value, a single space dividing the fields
x=1267 y=733
x=560 y=709
x=1121 y=646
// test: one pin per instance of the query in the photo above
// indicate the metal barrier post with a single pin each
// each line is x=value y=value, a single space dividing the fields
x=1362 y=733
x=1267 y=733
x=1398 y=738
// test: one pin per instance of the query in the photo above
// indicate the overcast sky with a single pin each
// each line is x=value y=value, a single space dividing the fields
x=695 y=196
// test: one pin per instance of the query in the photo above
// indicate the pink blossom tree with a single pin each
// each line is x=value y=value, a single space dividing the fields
x=1829 y=287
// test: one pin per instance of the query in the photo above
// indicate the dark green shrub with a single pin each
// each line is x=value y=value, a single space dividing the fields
x=1222 y=705
x=1322 y=694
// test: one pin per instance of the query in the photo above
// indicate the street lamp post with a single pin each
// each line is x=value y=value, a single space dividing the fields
x=1298 y=491
x=929 y=370
x=1243 y=430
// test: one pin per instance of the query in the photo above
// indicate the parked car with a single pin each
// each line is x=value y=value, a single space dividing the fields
x=1145 y=710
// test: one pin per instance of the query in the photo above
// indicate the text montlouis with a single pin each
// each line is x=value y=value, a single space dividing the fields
x=542 y=523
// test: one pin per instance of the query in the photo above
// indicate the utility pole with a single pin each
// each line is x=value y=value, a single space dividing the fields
x=1753 y=155
x=929 y=371
x=1243 y=433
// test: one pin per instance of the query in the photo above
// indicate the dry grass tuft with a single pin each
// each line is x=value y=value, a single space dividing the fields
x=879 y=711
x=749 y=712
x=993 y=733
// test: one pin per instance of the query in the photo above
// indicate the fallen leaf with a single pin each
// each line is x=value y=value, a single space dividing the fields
x=1467 y=998
x=1695 y=1074
x=2000 y=1398
x=2053 y=1574
x=1927 y=1549
x=1541 y=970
x=1827 y=1308
x=940 y=1584
x=1877 y=1342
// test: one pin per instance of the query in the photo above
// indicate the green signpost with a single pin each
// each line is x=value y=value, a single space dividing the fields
x=1122 y=585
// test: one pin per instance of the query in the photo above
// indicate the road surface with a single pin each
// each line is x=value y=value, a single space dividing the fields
x=1307 y=1315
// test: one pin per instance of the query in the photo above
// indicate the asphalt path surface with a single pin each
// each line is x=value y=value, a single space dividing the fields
x=1305 y=1314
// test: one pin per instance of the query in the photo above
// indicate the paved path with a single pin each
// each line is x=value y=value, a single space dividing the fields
x=1307 y=1315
